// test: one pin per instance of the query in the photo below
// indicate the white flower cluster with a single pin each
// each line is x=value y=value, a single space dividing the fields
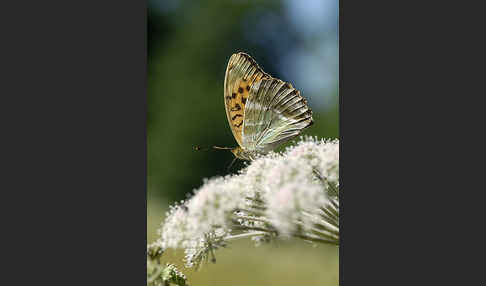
x=291 y=189
x=187 y=223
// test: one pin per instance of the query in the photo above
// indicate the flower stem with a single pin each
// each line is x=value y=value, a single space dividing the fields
x=243 y=235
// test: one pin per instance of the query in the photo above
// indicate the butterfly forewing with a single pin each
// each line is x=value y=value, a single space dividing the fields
x=241 y=73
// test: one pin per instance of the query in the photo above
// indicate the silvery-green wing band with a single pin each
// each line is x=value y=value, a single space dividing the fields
x=275 y=112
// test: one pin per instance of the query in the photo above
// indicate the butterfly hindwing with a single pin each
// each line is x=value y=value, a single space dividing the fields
x=275 y=112
x=241 y=73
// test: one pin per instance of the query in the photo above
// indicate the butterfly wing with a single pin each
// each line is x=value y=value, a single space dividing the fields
x=275 y=112
x=241 y=73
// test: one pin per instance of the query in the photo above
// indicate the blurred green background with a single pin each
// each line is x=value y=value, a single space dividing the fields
x=189 y=44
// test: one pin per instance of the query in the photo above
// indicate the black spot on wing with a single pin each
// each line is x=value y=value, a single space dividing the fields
x=236 y=108
x=236 y=115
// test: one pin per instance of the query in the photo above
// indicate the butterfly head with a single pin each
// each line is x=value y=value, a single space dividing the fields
x=240 y=153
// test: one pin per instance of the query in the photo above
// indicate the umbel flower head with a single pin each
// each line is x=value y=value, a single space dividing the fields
x=292 y=194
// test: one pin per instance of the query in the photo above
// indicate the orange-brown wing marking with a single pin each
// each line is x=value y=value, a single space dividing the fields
x=241 y=73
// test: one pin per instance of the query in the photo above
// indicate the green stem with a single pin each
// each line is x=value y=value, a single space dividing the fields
x=156 y=275
x=316 y=239
x=244 y=235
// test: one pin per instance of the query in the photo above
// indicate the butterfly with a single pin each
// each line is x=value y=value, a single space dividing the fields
x=263 y=112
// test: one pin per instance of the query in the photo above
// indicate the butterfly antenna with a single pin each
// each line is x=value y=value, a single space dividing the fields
x=222 y=148
x=198 y=148
x=232 y=162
